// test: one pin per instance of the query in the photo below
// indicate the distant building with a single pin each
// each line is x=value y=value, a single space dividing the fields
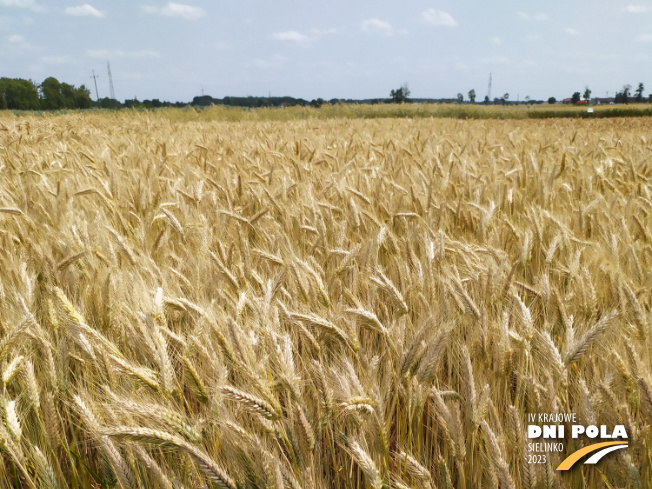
x=570 y=101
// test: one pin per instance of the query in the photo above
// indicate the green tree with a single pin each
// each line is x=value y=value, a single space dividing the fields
x=626 y=93
x=575 y=98
x=460 y=98
x=400 y=95
x=486 y=99
x=587 y=93
x=204 y=100
x=83 y=97
x=639 y=92
x=505 y=98
x=622 y=97
x=68 y=96
x=552 y=100
x=56 y=95
x=110 y=103
x=51 y=98
x=152 y=104
x=472 y=95
x=133 y=103
x=19 y=94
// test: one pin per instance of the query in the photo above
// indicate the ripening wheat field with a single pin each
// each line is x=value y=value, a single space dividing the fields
x=321 y=303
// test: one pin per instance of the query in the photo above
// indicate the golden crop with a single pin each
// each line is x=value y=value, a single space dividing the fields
x=320 y=303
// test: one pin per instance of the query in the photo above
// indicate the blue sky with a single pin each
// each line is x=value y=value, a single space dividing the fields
x=336 y=48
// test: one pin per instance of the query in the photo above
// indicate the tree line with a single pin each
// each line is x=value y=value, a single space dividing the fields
x=19 y=94
x=51 y=94
x=624 y=96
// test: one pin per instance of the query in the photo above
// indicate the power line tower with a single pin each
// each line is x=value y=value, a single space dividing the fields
x=489 y=88
x=108 y=67
x=95 y=77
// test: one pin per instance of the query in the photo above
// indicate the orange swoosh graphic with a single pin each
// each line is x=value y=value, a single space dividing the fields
x=574 y=457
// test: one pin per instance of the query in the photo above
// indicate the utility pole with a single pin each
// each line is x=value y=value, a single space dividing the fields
x=95 y=77
x=489 y=88
x=108 y=67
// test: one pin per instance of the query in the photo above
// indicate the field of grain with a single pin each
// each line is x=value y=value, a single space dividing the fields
x=413 y=111
x=320 y=303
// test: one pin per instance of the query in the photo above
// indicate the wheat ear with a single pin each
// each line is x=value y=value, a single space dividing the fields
x=162 y=438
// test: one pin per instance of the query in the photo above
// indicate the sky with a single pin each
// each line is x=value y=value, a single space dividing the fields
x=330 y=49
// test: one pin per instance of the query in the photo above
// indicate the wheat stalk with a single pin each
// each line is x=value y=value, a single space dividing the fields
x=162 y=438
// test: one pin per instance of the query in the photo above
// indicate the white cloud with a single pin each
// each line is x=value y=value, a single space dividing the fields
x=26 y=4
x=290 y=36
x=301 y=38
x=17 y=43
x=495 y=41
x=533 y=37
x=636 y=9
x=377 y=26
x=17 y=3
x=537 y=17
x=644 y=38
x=179 y=10
x=16 y=39
x=222 y=46
x=571 y=31
x=437 y=17
x=325 y=32
x=118 y=53
x=85 y=10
